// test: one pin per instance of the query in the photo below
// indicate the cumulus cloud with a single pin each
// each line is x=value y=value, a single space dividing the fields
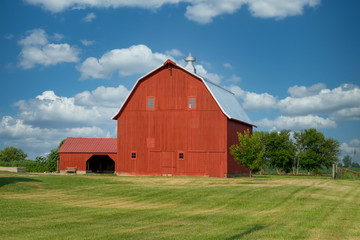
x=204 y=11
x=103 y=96
x=302 y=91
x=307 y=107
x=85 y=109
x=347 y=96
x=89 y=17
x=42 y=122
x=278 y=8
x=201 y=11
x=36 y=49
x=37 y=141
x=347 y=114
x=125 y=61
x=297 y=122
x=254 y=101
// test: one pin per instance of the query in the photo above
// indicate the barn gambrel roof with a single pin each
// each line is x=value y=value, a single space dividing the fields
x=225 y=99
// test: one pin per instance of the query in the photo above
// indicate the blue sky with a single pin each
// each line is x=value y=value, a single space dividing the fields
x=66 y=66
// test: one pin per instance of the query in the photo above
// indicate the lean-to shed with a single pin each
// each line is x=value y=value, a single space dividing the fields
x=88 y=155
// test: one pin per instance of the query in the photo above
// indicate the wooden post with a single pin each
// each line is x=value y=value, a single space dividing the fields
x=333 y=172
x=336 y=171
x=57 y=165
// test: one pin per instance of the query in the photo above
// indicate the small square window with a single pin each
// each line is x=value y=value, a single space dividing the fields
x=191 y=102
x=151 y=103
x=181 y=155
x=133 y=155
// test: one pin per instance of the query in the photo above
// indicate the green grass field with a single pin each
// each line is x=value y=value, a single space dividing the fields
x=112 y=207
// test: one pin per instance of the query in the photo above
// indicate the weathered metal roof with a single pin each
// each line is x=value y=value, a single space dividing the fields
x=227 y=102
x=88 y=145
x=225 y=99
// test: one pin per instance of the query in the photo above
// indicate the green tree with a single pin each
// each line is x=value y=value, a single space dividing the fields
x=355 y=165
x=52 y=158
x=314 y=151
x=314 y=141
x=280 y=150
x=12 y=154
x=250 y=151
x=347 y=161
x=330 y=152
x=40 y=164
x=300 y=147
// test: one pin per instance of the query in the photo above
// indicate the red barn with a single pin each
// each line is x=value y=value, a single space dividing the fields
x=175 y=122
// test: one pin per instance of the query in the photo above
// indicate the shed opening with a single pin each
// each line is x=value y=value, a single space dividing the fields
x=100 y=164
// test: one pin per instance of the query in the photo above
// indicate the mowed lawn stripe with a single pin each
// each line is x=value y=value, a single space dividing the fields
x=111 y=207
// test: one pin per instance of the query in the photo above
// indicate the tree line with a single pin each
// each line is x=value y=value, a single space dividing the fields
x=15 y=157
x=307 y=149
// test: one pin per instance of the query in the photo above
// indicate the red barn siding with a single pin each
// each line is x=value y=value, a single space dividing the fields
x=157 y=136
x=77 y=160
x=233 y=128
x=75 y=152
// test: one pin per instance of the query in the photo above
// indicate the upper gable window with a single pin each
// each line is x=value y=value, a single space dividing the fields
x=151 y=103
x=192 y=102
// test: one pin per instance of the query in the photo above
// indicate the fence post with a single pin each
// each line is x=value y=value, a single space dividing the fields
x=333 y=172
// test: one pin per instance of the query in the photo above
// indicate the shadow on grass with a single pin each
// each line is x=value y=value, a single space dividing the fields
x=9 y=180
x=251 y=230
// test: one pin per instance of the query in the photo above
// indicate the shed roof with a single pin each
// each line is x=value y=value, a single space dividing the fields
x=88 y=145
x=225 y=99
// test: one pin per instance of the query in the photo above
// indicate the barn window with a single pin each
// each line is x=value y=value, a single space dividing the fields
x=150 y=102
x=181 y=155
x=192 y=102
x=133 y=155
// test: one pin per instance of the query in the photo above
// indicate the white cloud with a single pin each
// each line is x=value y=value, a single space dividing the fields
x=254 y=101
x=204 y=11
x=347 y=114
x=49 y=110
x=57 y=36
x=87 y=42
x=279 y=8
x=213 y=77
x=348 y=148
x=89 y=17
x=103 y=96
x=125 y=61
x=37 y=141
x=234 y=79
x=346 y=96
x=35 y=37
x=42 y=122
x=297 y=122
x=37 y=50
x=174 y=53
x=201 y=11
x=228 y=65
x=302 y=91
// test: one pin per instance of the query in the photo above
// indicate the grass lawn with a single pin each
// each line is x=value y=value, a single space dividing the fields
x=112 y=207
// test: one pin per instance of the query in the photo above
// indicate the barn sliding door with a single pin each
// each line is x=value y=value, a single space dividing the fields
x=168 y=163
